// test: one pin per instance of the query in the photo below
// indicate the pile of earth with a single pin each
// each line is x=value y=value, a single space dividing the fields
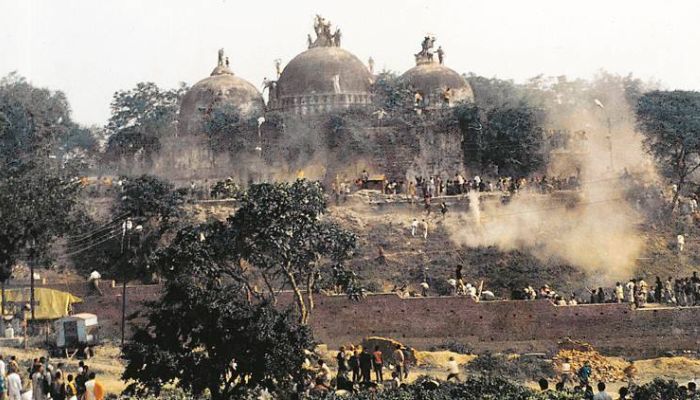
x=603 y=369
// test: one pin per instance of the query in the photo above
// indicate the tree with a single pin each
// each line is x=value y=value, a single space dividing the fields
x=508 y=137
x=228 y=130
x=36 y=193
x=205 y=333
x=35 y=206
x=280 y=230
x=513 y=140
x=31 y=119
x=140 y=118
x=148 y=201
x=393 y=95
x=490 y=93
x=670 y=124
x=79 y=149
x=660 y=389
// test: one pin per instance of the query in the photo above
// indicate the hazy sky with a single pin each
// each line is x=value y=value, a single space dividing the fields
x=89 y=49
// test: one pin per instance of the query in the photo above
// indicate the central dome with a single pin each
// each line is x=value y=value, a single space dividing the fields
x=315 y=70
x=322 y=78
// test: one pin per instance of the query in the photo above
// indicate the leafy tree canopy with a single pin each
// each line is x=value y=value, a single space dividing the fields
x=37 y=193
x=140 y=118
x=230 y=131
x=206 y=335
x=32 y=120
x=670 y=122
x=148 y=201
x=280 y=230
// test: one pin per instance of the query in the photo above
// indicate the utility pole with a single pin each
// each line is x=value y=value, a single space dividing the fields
x=610 y=144
x=609 y=137
x=127 y=227
x=32 y=260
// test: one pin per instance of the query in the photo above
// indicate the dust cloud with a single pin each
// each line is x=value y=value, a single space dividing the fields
x=595 y=228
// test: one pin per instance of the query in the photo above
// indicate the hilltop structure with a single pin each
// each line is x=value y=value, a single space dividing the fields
x=221 y=88
x=434 y=85
x=194 y=153
x=323 y=78
x=323 y=97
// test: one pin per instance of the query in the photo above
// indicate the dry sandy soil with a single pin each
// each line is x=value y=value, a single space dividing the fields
x=109 y=367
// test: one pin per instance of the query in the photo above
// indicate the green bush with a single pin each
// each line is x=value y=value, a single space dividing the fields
x=481 y=388
x=660 y=389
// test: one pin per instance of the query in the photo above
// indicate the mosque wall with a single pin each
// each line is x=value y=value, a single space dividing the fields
x=403 y=155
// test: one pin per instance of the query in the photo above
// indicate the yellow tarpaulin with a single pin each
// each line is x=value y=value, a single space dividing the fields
x=50 y=303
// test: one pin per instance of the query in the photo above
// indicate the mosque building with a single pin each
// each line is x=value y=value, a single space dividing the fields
x=435 y=85
x=324 y=79
x=190 y=154
x=221 y=88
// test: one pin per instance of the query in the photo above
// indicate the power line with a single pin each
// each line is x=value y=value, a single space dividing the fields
x=96 y=230
x=65 y=255
x=94 y=239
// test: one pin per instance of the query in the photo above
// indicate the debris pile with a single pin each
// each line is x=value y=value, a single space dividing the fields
x=603 y=369
x=387 y=347
x=377 y=197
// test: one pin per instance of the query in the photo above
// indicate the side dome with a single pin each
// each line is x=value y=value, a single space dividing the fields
x=322 y=78
x=435 y=84
x=222 y=88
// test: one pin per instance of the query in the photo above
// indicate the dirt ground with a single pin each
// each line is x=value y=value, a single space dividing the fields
x=108 y=367
x=434 y=363
x=106 y=364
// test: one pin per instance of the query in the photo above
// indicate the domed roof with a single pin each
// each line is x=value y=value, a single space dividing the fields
x=317 y=70
x=430 y=77
x=219 y=89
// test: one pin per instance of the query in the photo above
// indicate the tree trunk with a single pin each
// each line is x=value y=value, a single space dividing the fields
x=303 y=313
x=216 y=393
x=682 y=174
x=270 y=288
x=309 y=291
x=674 y=202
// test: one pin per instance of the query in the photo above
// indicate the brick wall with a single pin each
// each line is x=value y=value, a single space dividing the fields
x=521 y=326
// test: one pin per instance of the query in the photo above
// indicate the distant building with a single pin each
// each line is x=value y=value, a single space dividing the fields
x=323 y=78
x=190 y=154
x=221 y=88
x=434 y=84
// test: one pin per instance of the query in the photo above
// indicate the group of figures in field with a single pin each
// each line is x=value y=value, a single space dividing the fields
x=43 y=380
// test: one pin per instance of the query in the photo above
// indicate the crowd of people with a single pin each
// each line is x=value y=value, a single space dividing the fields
x=437 y=186
x=579 y=382
x=44 y=381
x=360 y=368
x=683 y=291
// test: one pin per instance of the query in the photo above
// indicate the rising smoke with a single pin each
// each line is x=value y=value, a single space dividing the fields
x=596 y=228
